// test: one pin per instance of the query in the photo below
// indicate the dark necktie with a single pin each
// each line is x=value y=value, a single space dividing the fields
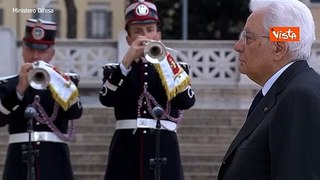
x=255 y=102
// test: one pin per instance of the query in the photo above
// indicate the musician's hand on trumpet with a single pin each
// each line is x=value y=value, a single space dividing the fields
x=34 y=75
x=23 y=78
x=135 y=51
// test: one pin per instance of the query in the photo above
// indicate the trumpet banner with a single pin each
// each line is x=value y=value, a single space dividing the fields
x=172 y=75
x=62 y=88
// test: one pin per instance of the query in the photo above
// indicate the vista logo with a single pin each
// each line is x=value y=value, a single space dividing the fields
x=287 y=34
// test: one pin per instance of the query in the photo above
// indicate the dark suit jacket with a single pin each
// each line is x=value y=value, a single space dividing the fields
x=280 y=140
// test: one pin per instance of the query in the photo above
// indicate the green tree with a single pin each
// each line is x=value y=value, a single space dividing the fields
x=71 y=18
x=208 y=19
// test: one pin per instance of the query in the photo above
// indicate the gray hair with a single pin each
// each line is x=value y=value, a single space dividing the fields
x=289 y=13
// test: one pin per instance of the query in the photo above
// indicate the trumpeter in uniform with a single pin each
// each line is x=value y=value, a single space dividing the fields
x=135 y=88
x=39 y=117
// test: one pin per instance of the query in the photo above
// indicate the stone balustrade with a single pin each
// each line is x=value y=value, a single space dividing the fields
x=212 y=63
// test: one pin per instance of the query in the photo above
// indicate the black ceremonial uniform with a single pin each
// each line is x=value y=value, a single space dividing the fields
x=131 y=149
x=53 y=160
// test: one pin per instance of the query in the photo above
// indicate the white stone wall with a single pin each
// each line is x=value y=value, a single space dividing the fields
x=8 y=52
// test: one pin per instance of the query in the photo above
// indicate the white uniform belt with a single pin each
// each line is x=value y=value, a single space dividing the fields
x=145 y=123
x=35 y=137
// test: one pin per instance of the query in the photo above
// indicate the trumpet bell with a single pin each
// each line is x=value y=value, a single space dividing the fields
x=39 y=78
x=155 y=51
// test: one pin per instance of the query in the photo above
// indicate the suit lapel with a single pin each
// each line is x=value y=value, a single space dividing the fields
x=265 y=105
x=255 y=118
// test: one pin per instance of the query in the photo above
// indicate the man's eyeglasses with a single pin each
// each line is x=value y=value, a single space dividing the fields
x=244 y=37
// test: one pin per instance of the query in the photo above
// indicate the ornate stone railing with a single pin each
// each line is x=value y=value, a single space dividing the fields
x=85 y=58
x=211 y=62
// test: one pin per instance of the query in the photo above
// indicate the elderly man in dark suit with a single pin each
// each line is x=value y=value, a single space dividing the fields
x=280 y=140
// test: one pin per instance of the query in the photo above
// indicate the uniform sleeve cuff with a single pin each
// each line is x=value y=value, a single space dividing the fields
x=19 y=96
x=11 y=102
x=124 y=70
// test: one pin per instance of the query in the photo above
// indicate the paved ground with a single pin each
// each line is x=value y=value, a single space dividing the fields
x=90 y=101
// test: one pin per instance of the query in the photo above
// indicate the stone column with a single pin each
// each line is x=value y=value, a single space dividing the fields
x=8 y=51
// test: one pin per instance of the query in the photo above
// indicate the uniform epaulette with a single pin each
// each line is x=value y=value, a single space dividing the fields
x=185 y=66
x=110 y=66
x=5 y=79
x=73 y=76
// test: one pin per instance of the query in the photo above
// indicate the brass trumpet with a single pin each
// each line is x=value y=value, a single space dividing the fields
x=38 y=77
x=154 y=51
